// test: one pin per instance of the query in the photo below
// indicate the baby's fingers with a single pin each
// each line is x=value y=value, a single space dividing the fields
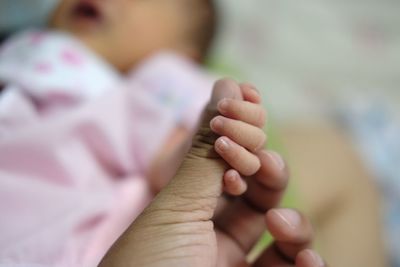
x=291 y=230
x=293 y=235
x=245 y=111
x=250 y=93
x=233 y=183
x=237 y=156
x=244 y=134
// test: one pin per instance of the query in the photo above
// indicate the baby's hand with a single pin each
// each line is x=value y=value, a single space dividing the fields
x=198 y=227
x=242 y=137
x=240 y=125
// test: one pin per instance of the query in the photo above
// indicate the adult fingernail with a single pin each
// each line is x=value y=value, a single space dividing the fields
x=277 y=159
x=316 y=258
x=222 y=144
x=289 y=217
x=223 y=105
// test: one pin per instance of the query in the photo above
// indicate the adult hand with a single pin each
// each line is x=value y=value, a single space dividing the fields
x=190 y=224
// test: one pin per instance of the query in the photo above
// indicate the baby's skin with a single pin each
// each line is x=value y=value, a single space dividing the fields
x=192 y=222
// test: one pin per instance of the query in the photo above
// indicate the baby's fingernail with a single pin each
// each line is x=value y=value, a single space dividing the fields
x=223 y=105
x=232 y=176
x=290 y=217
x=216 y=124
x=277 y=159
x=316 y=258
x=222 y=144
x=255 y=90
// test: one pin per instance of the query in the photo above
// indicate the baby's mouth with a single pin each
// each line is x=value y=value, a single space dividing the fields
x=87 y=11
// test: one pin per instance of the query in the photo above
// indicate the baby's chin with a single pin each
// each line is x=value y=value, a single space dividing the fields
x=104 y=50
x=96 y=43
x=121 y=54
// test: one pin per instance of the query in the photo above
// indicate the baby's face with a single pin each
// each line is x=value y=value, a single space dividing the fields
x=122 y=31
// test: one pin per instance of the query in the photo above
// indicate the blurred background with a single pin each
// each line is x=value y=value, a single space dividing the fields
x=330 y=75
x=298 y=49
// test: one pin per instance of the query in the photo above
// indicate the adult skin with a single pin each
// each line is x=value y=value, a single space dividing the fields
x=191 y=223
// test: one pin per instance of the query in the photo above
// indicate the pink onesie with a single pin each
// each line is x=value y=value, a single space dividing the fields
x=76 y=139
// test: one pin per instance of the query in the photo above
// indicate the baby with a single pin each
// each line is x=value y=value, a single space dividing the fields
x=88 y=148
x=127 y=37
x=125 y=33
